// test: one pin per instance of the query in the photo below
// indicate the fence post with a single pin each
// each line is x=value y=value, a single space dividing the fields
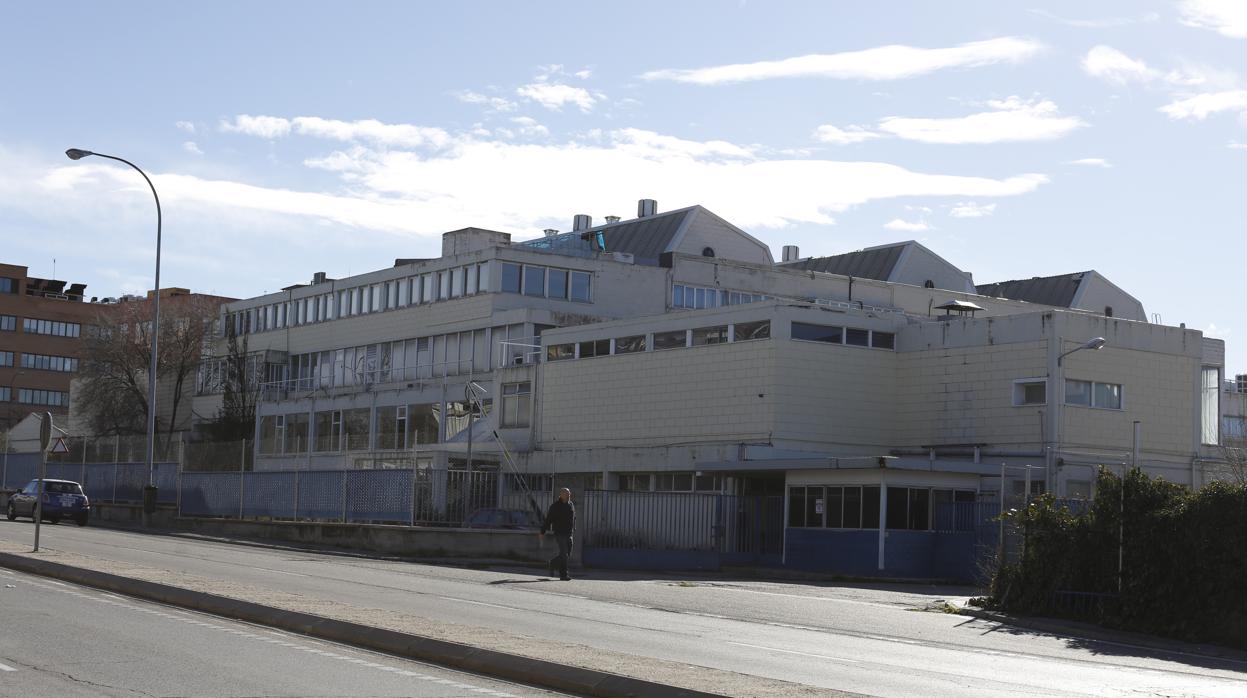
x=296 y=495
x=115 y=473
x=83 y=480
x=344 y=482
x=116 y=454
x=178 y=488
x=242 y=466
x=413 y=492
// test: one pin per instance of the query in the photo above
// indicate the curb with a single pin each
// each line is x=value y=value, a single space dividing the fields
x=534 y=672
x=1099 y=634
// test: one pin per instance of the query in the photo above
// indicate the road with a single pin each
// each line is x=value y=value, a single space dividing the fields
x=870 y=640
x=64 y=640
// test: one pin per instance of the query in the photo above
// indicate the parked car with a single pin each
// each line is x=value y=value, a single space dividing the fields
x=62 y=499
x=514 y=519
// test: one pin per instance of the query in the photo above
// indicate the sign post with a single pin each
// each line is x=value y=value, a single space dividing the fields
x=45 y=438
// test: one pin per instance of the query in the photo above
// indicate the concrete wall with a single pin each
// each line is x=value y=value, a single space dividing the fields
x=918 y=265
x=1097 y=293
x=705 y=229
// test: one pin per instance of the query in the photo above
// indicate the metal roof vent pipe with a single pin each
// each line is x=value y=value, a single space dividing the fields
x=551 y=232
x=791 y=253
x=612 y=219
x=646 y=207
x=581 y=222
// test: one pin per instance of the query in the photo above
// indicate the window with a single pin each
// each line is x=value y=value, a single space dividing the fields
x=818 y=333
x=560 y=352
x=355 y=425
x=6 y=358
x=882 y=340
x=421 y=425
x=515 y=404
x=710 y=335
x=8 y=323
x=329 y=430
x=471 y=283
x=428 y=288
x=272 y=429
x=745 y=331
x=599 y=347
x=534 y=281
x=1030 y=391
x=6 y=394
x=1210 y=405
x=1078 y=489
x=484 y=277
x=580 y=287
x=391 y=428
x=296 y=433
x=64 y=364
x=670 y=340
x=558 y=283
x=54 y=398
x=857 y=338
x=510 y=278
x=8 y=285
x=1093 y=394
x=630 y=345
x=673 y=482
x=634 y=482
x=49 y=327
x=457 y=281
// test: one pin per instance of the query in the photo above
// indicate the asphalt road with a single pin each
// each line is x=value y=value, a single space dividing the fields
x=871 y=640
x=64 y=640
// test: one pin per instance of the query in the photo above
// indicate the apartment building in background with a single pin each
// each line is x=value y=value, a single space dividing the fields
x=672 y=353
x=41 y=328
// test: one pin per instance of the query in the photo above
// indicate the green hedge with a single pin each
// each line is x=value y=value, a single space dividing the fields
x=1184 y=558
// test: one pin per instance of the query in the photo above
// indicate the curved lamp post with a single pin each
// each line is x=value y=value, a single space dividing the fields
x=78 y=154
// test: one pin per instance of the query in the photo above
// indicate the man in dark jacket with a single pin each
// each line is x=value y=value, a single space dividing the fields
x=561 y=518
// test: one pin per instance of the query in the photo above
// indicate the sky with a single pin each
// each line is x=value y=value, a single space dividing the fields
x=1015 y=139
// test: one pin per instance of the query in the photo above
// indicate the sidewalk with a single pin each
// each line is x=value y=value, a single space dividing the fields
x=539 y=661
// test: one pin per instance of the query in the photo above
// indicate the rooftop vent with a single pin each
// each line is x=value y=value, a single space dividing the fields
x=551 y=232
x=582 y=221
x=646 y=207
x=612 y=219
x=959 y=308
x=791 y=253
x=319 y=277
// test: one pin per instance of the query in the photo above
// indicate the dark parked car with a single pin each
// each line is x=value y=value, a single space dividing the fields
x=62 y=499
x=515 y=519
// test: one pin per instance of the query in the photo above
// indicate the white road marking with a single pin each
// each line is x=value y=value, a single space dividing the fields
x=476 y=603
x=6 y=667
x=803 y=654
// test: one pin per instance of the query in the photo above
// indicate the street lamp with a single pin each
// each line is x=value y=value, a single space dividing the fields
x=1094 y=344
x=78 y=154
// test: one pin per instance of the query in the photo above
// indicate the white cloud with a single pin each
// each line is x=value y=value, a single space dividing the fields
x=528 y=126
x=490 y=102
x=185 y=126
x=583 y=74
x=882 y=63
x=263 y=126
x=1236 y=145
x=1227 y=17
x=906 y=226
x=1091 y=162
x=969 y=209
x=1113 y=66
x=521 y=186
x=555 y=96
x=843 y=136
x=1011 y=120
x=192 y=148
x=1201 y=106
x=399 y=135
x=1219 y=332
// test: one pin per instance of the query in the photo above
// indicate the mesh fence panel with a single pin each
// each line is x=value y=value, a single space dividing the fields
x=19 y=469
x=320 y=494
x=99 y=480
x=379 y=496
x=269 y=494
x=210 y=494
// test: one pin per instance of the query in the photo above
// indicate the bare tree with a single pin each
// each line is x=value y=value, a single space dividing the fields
x=117 y=354
x=1235 y=464
x=240 y=387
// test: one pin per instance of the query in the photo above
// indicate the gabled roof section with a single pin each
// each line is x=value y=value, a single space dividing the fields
x=643 y=238
x=1057 y=291
x=871 y=263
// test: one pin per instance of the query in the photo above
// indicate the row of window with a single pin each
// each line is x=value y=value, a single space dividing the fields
x=670 y=482
x=65 y=364
x=1034 y=391
x=56 y=329
x=54 y=398
x=857 y=507
x=362 y=300
x=698 y=297
x=675 y=339
x=849 y=336
x=546 y=282
x=385 y=428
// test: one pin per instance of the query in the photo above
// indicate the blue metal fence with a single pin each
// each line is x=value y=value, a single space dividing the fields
x=102 y=482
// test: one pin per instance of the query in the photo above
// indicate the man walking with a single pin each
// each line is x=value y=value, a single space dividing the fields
x=561 y=518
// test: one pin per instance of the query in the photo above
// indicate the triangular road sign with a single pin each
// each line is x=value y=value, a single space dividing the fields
x=59 y=446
